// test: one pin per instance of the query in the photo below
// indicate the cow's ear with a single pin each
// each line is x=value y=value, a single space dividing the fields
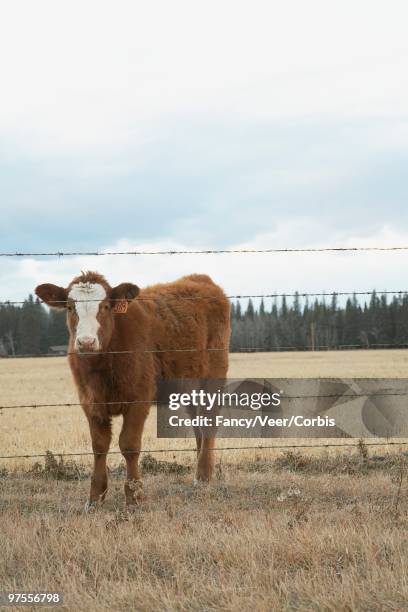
x=52 y=295
x=124 y=291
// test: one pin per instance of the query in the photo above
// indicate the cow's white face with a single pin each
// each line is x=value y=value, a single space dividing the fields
x=90 y=315
x=85 y=299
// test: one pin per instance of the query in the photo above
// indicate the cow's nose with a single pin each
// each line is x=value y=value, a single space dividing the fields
x=86 y=343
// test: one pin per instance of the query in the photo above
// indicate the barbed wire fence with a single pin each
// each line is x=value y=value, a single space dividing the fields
x=351 y=249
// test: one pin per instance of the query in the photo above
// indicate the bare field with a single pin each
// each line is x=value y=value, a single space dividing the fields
x=274 y=531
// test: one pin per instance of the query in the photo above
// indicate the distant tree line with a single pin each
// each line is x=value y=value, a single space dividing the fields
x=34 y=329
x=320 y=324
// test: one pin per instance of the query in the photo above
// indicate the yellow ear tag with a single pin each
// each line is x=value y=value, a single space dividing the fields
x=120 y=307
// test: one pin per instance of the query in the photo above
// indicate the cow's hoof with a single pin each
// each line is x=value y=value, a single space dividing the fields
x=199 y=483
x=134 y=492
x=132 y=508
x=90 y=506
x=135 y=488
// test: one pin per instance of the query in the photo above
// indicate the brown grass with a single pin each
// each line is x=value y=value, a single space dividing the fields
x=275 y=531
x=272 y=539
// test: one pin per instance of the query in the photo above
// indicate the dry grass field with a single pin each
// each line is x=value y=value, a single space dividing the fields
x=322 y=530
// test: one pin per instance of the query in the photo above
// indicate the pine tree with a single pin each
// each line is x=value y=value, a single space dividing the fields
x=32 y=337
x=57 y=328
x=238 y=312
x=250 y=311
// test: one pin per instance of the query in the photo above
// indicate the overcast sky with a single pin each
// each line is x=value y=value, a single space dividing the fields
x=200 y=125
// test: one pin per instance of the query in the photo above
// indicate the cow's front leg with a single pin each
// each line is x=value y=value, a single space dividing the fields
x=101 y=433
x=130 y=442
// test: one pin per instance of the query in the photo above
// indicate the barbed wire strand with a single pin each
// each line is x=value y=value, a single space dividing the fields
x=194 y=450
x=206 y=251
x=399 y=292
x=163 y=403
x=237 y=351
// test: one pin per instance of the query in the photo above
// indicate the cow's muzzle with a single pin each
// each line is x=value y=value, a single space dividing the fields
x=86 y=344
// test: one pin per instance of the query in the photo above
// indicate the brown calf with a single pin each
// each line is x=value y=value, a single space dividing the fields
x=104 y=321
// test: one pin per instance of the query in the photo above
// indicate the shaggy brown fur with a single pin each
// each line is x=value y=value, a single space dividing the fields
x=160 y=318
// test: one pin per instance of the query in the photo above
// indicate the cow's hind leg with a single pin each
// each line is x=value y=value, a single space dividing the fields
x=198 y=437
x=130 y=442
x=218 y=367
x=205 y=441
x=101 y=436
x=205 y=463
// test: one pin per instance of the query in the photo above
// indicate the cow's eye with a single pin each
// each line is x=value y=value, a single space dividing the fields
x=70 y=308
x=106 y=307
